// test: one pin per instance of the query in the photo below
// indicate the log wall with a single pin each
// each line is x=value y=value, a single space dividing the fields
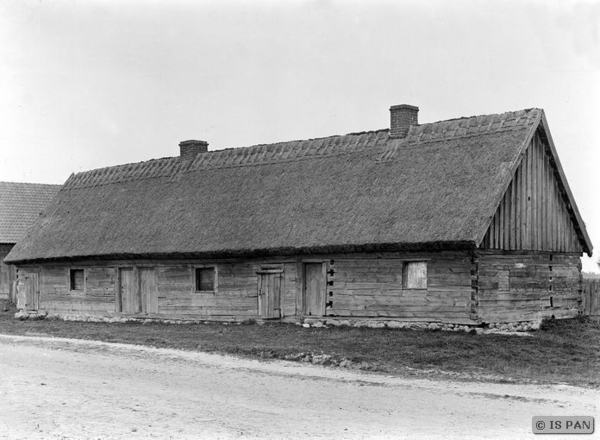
x=236 y=293
x=361 y=285
x=55 y=296
x=462 y=287
x=533 y=214
x=367 y=287
x=235 y=296
x=521 y=286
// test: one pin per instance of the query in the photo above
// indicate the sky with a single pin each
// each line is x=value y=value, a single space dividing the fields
x=94 y=83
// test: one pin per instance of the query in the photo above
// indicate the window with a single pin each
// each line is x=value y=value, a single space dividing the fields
x=414 y=275
x=76 y=279
x=205 y=279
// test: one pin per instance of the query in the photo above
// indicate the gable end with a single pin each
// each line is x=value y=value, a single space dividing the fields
x=537 y=210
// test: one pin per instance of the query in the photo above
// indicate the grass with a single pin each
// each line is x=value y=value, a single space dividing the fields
x=563 y=351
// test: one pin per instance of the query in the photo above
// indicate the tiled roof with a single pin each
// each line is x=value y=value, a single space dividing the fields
x=20 y=206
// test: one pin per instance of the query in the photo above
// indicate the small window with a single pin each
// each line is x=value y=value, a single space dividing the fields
x=76 y=279
x=205 y=279
x=414 y=275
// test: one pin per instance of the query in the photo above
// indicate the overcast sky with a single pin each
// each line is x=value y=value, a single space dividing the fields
x=89 y=84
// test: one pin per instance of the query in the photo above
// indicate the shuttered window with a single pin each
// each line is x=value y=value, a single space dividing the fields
x=76 y=279
x=414 y=275
x=205 y=279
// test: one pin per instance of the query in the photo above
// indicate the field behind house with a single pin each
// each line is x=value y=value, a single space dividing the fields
x=563 y=351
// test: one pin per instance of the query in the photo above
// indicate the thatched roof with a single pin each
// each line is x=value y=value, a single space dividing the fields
x=20 y=206
x=437 y=187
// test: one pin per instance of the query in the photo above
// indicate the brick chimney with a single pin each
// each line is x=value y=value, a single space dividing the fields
x=401 y=118
x=190 y=149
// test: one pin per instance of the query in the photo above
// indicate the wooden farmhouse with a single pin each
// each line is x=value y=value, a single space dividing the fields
x=467 y=221
x=20 y=205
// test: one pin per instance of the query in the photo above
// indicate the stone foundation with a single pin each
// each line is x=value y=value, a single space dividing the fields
x=32 y=315
x=441 y=326
x=308 y=322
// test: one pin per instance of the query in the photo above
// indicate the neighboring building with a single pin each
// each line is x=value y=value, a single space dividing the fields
x=465 y=221
x=20 y=205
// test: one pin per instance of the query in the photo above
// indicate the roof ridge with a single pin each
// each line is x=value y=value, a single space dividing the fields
x=244 y=148
x=29 y=183
x=471 y=126
x=286 y=151
x=485 y=114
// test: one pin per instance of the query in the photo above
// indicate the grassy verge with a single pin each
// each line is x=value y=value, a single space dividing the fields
x=565 y=351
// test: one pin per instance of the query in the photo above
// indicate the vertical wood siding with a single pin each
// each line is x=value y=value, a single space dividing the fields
x=591 y=298
x=533 y=214
x=519 y=286
x=6 y=273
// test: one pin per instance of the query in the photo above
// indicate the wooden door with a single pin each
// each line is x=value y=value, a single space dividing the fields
x=128 y=294
x=148 y=290
x=32 y=291
x=314 y=289
x=269 y=293
x=12 y=286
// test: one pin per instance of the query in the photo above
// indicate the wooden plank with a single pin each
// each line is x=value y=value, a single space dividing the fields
x=528 y=244
x=32 y=291
x=314 y=289
x=541 y=196
x=563 y=228
x=534 y=195
x=423 y=316
x=127 y=290
x=500 y=225
x=507 y=209
x=148 y=290
x=269 y=294
x=210 y=303
x=511 y=216
x=551 y=222
x=544 y=201
x=276 y=294
x=65 y=299
x=520 y=204
x=288 y=290
x=551 y=211
x=414 y=275
x=104 y=308
x=299 y=288
x=186 y=312
x=222 y=296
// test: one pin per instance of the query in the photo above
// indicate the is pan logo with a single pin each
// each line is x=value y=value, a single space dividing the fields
x=562 y=425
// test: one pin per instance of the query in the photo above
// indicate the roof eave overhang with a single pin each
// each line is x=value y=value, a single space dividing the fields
x=259 y=253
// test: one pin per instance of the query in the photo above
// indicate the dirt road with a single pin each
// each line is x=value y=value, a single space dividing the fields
x=56 y=388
